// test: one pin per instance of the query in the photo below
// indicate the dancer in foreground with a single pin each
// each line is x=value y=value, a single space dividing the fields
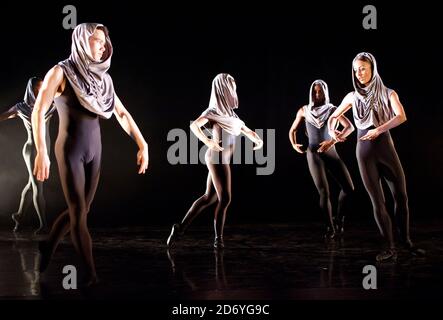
x=83 y=92
x=377 y=109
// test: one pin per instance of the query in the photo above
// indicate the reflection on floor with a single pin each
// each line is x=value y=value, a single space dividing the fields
x=272 y=262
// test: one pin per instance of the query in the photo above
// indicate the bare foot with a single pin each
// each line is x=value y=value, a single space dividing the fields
x=16 y=217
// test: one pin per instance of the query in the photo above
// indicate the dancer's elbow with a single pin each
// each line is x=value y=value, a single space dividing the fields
x=402 y=118
x=351 y=128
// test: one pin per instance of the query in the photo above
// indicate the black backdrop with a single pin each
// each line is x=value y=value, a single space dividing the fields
x=163 y=64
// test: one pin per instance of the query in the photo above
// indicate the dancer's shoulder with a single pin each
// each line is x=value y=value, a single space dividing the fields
x=55 y=78
x=349 y=98
x=55 y=73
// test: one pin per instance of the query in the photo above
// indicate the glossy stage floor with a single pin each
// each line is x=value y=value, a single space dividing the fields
x=260 y=262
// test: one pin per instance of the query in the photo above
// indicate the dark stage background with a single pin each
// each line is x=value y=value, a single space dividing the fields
x=164 y=61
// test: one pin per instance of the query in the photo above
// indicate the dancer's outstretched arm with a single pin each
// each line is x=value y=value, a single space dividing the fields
x=293 y=131
x=51 y=84
x=128 y=124
x=253 y=136
x=9 y=114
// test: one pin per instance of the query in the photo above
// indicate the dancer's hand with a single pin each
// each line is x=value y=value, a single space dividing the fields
x=334 y=134
x=371 y=134
x=298 y=147
x=325 y=145
x=258 y=143
x=340 y=138
x=255 y=138
x=337 y=136
x=142 y=160
x=41 y=166
x=214 y=146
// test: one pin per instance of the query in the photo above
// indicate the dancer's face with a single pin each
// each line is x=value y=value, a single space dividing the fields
x=319 y=95
x=363 y=71
x=97 y=43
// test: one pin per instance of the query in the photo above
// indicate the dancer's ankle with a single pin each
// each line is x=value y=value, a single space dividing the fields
x=219 y=242
x=176 y=232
